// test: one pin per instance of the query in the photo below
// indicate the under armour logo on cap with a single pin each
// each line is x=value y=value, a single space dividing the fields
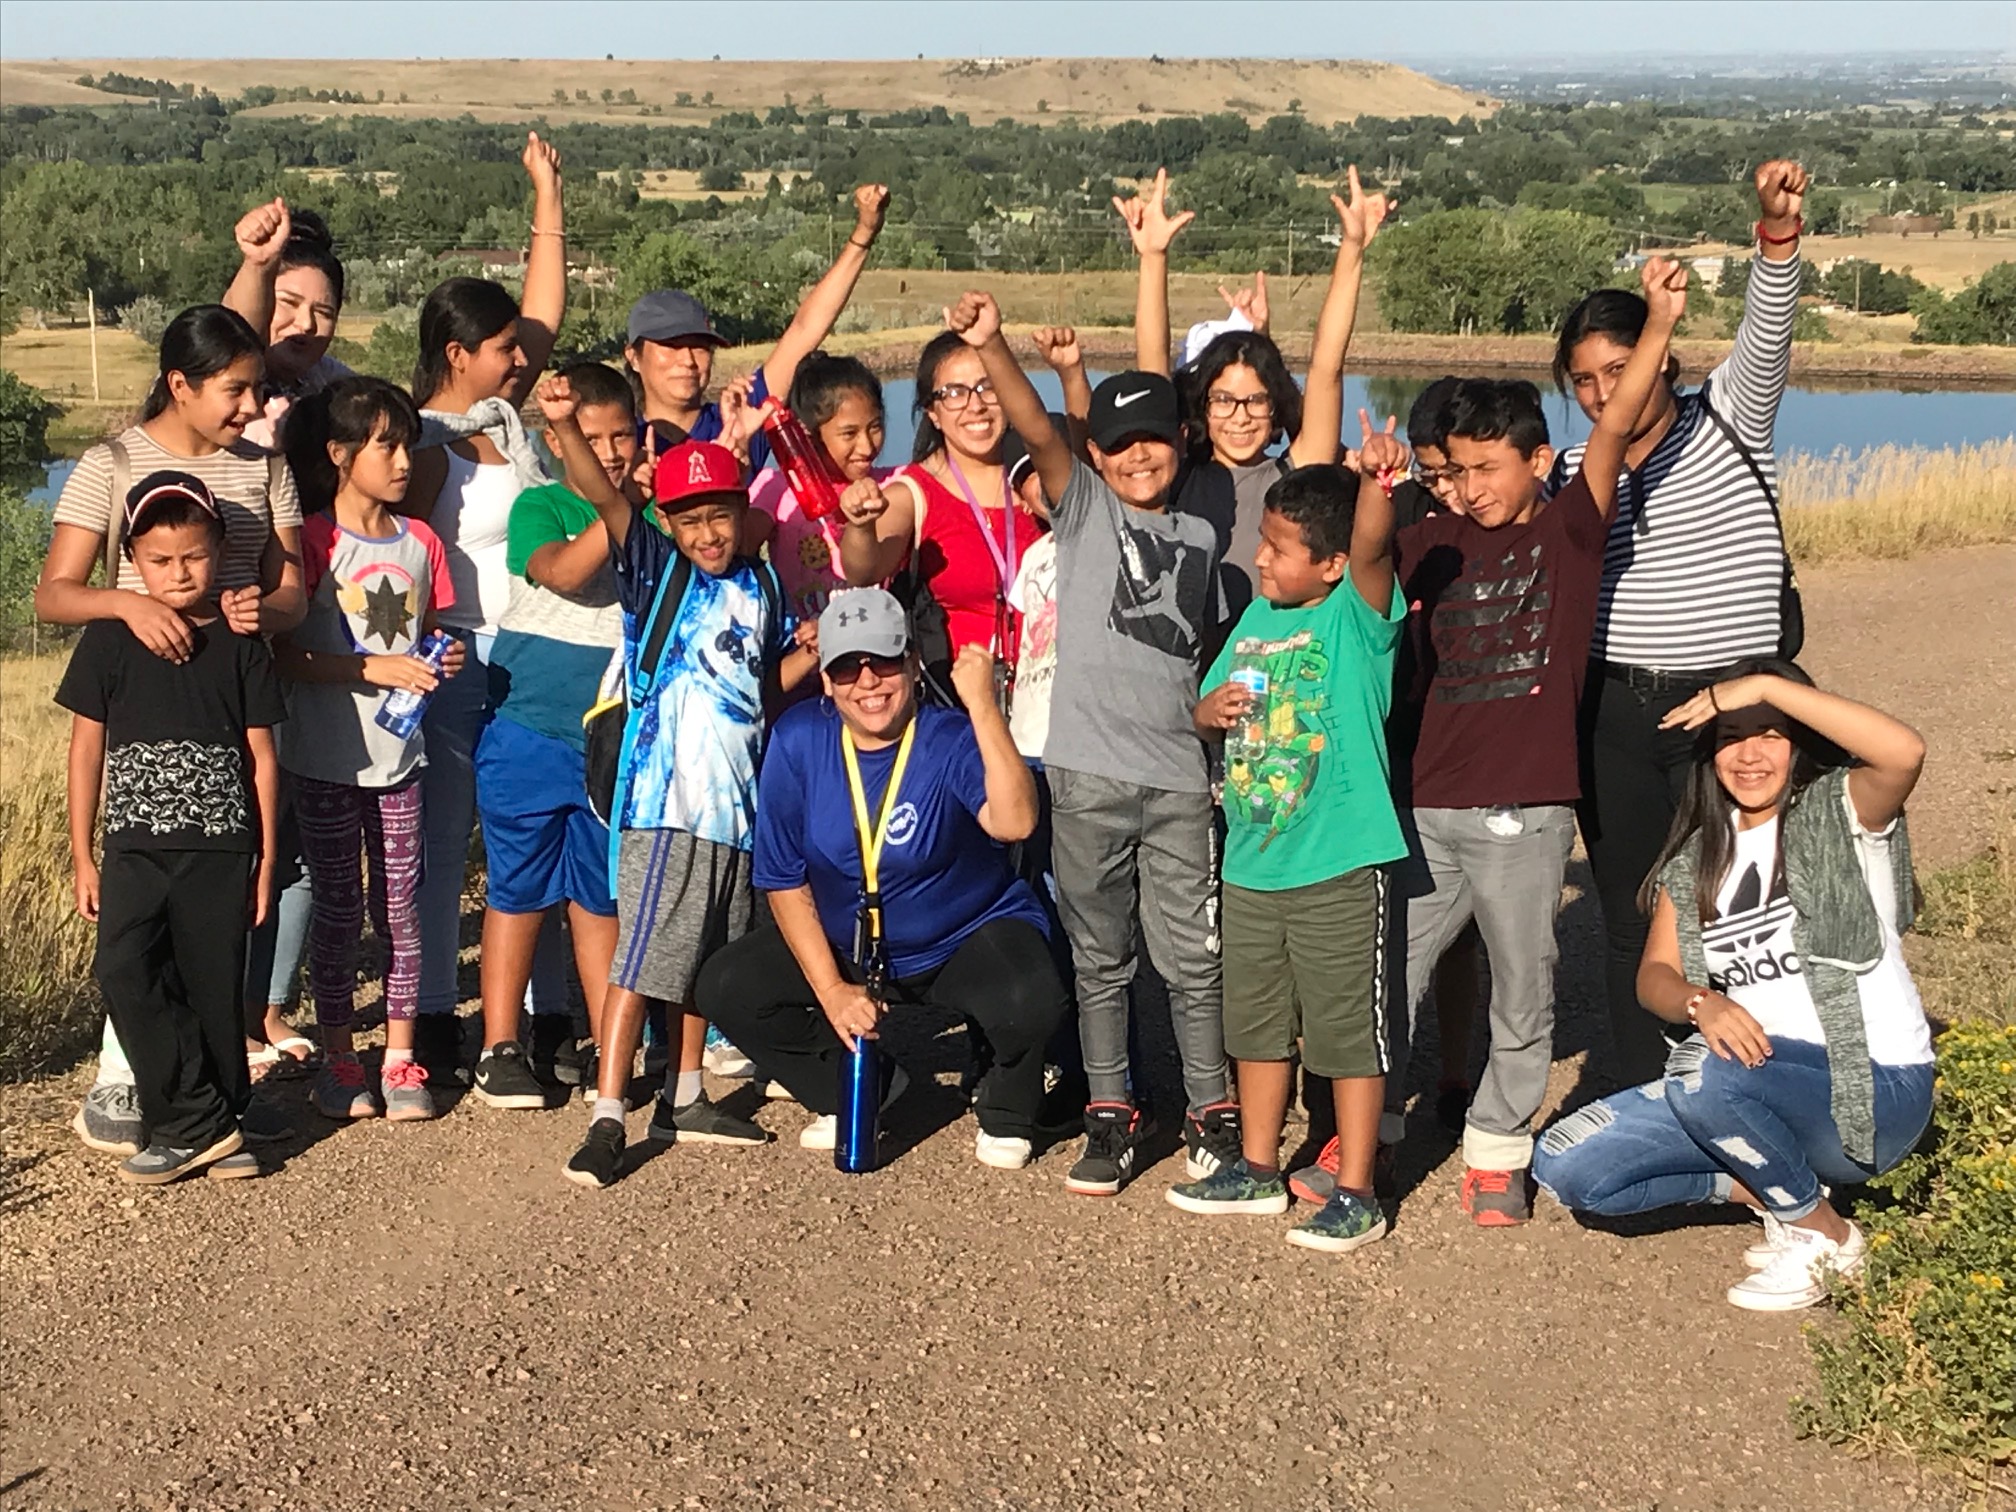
x=862 y=620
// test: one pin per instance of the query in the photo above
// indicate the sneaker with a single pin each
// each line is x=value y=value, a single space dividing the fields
x=437 y=1045
x=235 y=1167
x=1211 y=1139
x=1004 y=1152
x=703 y=1122
x=1113 y=1134
x=823 y=1133
x=1765 y=1250
x=1232 y=1189
x=404 y=1088
x=263 y=1123
x=1496 y=1199
x=159 y=1164
x=1343 y=1223
x=776 y=1091
x=1798 y=1274
x=1452 y=1106
x=574 y=1061
x=1314 y=1184
x=341 y=1091
x=109 y=1120
x=505 y=1078
x=550 y=1032
x=600 y=1158
x=723 y=1059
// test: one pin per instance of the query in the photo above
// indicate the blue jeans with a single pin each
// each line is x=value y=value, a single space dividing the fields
x=1709 y=1123
x=455 y=718
x=273 y=953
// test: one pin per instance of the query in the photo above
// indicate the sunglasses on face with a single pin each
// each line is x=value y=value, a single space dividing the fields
x=957 y=396
x=847 y=670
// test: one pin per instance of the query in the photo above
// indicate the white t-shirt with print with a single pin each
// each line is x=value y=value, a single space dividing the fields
x=1751 y=960
x=1033 y=595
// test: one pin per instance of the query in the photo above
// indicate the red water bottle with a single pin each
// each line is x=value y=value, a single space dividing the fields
x=803 y=460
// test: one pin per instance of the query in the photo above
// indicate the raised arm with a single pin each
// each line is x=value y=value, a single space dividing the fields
x=1381 y=459
x=261 y=234
x=1058 y=347
x=1748 y=385
x=1358 y=221
x=584 y=473
x=1890 y=754
x=977 y=319
x=1152 y=229
x=1665 y=284
x=881 y=525
x=544 y=302
x=824 y=301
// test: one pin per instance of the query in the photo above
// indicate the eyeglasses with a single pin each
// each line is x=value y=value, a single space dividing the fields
x=1220 y=406
x=957 y=396
x=846 y=670
x=1428 y=476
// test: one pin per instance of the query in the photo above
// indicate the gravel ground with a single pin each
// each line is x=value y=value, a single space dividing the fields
x=427 y=1317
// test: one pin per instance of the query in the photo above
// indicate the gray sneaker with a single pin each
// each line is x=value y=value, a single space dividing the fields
x=235 y=1167
x=109 y=1120
x=404 y=1088
x=341 y=1091
x=159 y=1164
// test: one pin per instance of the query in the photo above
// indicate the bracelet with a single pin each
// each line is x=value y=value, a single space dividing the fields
x=1798 y=230
x=863 y=245
x=547 y=231
x=1694 y=1008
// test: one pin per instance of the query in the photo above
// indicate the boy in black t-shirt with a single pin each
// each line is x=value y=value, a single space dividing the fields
x=184 y=752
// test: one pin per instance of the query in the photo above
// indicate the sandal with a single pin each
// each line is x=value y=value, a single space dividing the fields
x=278 y=1060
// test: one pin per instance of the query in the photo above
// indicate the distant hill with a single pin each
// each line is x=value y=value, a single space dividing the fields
x=1102 y=90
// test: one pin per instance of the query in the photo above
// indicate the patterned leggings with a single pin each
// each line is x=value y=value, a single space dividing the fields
x=336 y=820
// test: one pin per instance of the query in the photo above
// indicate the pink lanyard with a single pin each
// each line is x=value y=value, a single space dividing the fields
x=1004 y=562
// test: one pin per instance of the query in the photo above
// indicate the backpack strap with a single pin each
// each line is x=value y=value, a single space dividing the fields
x=1749 y=457
x=115 y=515
x=658 y=624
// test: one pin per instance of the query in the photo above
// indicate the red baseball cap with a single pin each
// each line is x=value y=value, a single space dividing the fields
x=693 y=468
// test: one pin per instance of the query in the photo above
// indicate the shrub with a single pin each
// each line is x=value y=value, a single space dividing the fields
x=146 y=317
x=25 y=416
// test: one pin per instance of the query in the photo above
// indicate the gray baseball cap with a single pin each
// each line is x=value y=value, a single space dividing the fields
x=866 y=620
x=668 y=315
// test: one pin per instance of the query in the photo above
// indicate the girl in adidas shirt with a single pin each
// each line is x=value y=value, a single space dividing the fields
x=1775 y=914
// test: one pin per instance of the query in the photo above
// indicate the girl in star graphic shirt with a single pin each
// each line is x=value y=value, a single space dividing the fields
x=377 y=583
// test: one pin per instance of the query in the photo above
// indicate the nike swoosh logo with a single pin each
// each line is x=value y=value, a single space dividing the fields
x=1121 y=401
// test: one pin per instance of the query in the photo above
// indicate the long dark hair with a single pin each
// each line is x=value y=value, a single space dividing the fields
x=464 y=311
x=348 y=413
x=200 y=343
x=1614 y=313
x=823 y=380
x=309 y=245
x=930 y=440
x=1706 y=809
x=1245 y=349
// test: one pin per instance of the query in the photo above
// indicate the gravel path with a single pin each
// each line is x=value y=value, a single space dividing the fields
x=428 y=1317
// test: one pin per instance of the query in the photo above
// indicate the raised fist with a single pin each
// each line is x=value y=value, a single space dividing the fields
x=976 y=318
x=262 y=232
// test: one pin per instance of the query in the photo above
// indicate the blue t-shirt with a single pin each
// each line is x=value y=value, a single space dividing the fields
x=697 y=738
x=707 y=426
x=942 y=876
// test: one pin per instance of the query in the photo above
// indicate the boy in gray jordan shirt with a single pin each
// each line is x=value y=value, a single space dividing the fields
x=1126 y=770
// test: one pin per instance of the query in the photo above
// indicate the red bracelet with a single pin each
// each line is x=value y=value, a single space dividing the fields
x=1694 y=1008
x=1798 y=230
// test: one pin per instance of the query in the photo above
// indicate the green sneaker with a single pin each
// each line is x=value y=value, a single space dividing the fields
x=1343 y=1223
x=1232 y=1189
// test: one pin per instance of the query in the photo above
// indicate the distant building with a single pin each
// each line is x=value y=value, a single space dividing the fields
x=1709 y=269
x=493 y=259
x=1901 y=225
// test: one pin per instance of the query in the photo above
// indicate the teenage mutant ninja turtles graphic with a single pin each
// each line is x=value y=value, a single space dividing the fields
x=1273 y=756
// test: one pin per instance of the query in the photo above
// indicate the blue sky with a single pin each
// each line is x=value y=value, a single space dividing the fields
x=1388 y=30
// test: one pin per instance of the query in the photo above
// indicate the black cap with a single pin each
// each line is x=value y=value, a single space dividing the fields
x=668 y=315
x=157 y=489
x=1015 y=458
x=1128 y=406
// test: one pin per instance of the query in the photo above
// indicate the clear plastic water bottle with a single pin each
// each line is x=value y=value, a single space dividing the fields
x=402 y=708
x=1247 y=740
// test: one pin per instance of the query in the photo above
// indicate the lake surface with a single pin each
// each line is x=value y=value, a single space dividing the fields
x=1810 y=419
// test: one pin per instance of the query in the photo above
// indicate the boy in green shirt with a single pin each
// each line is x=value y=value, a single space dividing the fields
x=1299 y=695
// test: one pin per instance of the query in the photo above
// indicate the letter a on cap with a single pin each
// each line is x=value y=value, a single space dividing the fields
x=696 y=467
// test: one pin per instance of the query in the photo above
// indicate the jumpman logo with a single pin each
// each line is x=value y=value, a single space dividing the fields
x=1160 y=602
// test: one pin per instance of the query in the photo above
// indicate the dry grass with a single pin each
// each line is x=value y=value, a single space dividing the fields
x=1948 y=262
x=1891 y=501
x=48 y=1006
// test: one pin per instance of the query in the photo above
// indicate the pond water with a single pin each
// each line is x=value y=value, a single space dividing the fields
x=1819 y=420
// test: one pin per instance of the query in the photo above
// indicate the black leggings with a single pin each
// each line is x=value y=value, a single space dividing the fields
x=1002 y=980
x=1633 y=776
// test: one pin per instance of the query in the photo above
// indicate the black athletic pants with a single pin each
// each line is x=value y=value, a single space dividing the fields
x=1002 y=980
x=1633 y=776
x=171 y=966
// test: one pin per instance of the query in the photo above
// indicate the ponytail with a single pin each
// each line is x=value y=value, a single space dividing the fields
x=464 y=312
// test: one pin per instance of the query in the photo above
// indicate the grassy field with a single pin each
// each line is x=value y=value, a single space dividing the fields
x=1892 y=501
x=1948 y=262
x=1086 y=89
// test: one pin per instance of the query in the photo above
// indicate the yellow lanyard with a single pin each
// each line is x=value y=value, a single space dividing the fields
x=869 y=840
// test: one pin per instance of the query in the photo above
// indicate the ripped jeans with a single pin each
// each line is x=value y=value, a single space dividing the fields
x=1710 y=1123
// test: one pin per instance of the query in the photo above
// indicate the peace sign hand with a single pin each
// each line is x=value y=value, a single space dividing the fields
x=1380 y=453
x=1360 y=217
x=1148 y=220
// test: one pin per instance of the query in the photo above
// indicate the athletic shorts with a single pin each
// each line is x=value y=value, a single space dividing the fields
x=542 y=842
x=1309 y=963
x=679 y=899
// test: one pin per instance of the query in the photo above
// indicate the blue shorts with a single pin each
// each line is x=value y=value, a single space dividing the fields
x=543 y=842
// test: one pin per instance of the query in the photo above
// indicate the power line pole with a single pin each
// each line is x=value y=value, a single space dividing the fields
x=91 y=313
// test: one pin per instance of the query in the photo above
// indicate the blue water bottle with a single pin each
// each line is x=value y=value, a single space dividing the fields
x=402 y=708
x=858 y=1129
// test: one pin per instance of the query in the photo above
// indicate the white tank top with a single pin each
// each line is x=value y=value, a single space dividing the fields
x=472 y=517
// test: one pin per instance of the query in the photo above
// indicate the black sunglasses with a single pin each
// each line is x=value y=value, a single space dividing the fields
x=846 y=670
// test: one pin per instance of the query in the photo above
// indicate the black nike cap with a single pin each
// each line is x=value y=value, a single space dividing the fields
x=1128 y=406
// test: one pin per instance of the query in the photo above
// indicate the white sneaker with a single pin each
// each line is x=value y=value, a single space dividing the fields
x=1001 y=1152
x=1797 y=1276
x=1767 y=1249
x=724 y=1060
x=776 y=1091
x=823 y=1133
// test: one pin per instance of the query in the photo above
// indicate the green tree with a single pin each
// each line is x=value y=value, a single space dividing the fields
x=25 y=416
x=716 y=177
x=748 y=296
x=1983 y=314
x=1486 y=271
x=24 y=542
x=1871 y=289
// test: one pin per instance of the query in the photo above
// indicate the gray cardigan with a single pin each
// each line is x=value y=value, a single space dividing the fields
x=1835 y=929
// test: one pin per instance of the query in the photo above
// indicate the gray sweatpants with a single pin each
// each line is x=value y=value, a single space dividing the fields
x=1118 y=850
x=1459 y=867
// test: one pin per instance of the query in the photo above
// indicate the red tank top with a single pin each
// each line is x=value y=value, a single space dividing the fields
x=956 y=563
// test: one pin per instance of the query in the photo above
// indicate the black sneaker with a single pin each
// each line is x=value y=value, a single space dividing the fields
x=574 y=1060
x=1211 y=1139
x=549 y=1032
x=437 y=1045
x=600 y=1158
x=504 y=1078
x=703 y=1122
x=1113 y=1133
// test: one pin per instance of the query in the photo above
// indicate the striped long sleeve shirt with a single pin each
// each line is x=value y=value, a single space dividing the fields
x=1695 y=560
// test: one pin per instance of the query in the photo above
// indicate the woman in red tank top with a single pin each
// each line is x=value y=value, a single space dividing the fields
x=951 y=506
